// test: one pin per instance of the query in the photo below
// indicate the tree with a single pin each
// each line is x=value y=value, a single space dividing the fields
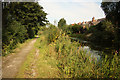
x=61 y=23
x=20 y=21
x=30 y=14
x=112 y=12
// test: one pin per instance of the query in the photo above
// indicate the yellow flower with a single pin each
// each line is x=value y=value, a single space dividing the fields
x=110 y=76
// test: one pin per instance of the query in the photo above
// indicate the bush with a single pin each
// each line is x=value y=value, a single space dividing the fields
x=52 y=34
x=12 y=34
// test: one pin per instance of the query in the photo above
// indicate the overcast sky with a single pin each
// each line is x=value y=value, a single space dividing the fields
x=73 y=11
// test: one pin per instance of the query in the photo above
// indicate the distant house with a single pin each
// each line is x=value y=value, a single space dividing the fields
x=93 y=22
x=90 y=23
x=73 y=24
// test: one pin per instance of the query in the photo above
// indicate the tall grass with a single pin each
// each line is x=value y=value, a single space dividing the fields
x=73 y=62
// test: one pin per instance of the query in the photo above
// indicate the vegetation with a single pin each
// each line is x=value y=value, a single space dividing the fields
x=20 y=21
x=13 y=35
x=112 y=11
x=70 y=60
x=103 y=34
x=62 y=23
x=75 y=63
x=54 y=52
x=39 y=61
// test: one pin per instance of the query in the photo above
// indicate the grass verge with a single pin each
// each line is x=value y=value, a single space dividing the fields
x=38 y=63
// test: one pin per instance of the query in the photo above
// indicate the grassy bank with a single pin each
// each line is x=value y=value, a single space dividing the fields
x=58 y=57
x=74 y=63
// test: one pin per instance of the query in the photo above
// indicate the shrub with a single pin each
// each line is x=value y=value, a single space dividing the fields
x=52 y=34
x=12 y=34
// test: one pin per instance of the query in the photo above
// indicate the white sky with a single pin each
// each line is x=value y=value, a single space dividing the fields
x=73 y=11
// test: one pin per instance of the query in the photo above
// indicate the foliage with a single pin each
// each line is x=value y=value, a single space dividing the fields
x=13 y=34
x=74 y=62
x=20 y=21
x=30 y=14
x=62 y=23
x=78 y=29
x=112 y=12
x=104 y=36
x=75 y=29
x=42 y=28
x=102 y=33
x=52 y=34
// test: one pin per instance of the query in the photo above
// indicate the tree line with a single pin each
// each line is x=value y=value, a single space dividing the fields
x=20 y=21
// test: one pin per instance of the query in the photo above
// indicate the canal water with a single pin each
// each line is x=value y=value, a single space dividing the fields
x=85 y=47
x=93 y=53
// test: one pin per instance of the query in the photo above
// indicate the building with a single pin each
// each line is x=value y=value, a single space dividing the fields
x=90 y=23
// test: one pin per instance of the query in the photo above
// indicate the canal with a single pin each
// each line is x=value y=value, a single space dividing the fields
x=93 y=50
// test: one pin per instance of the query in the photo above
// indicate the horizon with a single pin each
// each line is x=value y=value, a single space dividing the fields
x=73 y=11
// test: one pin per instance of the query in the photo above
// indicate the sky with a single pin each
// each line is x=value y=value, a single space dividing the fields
x=73 y=11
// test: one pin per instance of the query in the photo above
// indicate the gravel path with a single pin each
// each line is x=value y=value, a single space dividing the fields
x=12 y=63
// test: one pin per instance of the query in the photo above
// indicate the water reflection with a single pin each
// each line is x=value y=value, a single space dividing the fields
x=85 y=46
x=102 y=49
x=92 y=53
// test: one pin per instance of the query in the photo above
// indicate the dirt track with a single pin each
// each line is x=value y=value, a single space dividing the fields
x=12 y=63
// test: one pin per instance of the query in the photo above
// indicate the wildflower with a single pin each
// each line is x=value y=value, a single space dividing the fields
x=110 y=76
x=116 y=52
